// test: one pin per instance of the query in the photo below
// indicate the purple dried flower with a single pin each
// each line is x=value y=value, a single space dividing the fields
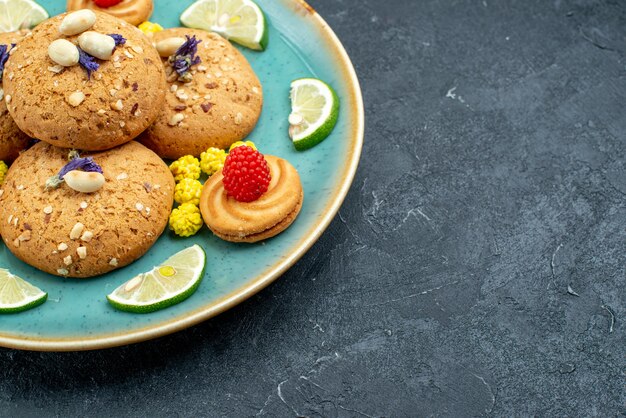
x=4 y=56
x=185 y=57
x=87 y=62
x=82 y=164
x=119 y=39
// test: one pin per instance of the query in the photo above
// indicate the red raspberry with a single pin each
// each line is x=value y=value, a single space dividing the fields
x=106 y=3
x=246 y=174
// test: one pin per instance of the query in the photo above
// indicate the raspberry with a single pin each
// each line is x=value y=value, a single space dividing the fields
x=246 y=174
x=106 y=3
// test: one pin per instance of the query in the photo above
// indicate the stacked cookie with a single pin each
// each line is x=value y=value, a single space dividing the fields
x=90 y=82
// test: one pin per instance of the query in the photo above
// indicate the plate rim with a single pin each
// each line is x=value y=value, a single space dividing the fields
x=265 y=278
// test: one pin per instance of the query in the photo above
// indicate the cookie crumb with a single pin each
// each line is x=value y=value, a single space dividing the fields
x=67 y=260
x=76 y=98
x=63 y=272
x=182 y=95
x=57 y=69
x=137 y=49
x=62 y=246
x=119 y=105
x=139 y=206
x=82 y=252
x=47 y=210
x=83 y=205
x=176 y=119
x=76 y=231
x=87 y=236
x=113 y=262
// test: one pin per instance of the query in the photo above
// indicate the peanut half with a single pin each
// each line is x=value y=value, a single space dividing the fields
x=77 y=22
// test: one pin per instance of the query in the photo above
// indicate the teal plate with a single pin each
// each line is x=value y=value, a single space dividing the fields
x=77 y=315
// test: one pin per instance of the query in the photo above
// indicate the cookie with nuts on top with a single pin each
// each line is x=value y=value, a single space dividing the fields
x=12 y=139
x=132 y=11
x=73 y=85
x=214 y=97
x=105 y=214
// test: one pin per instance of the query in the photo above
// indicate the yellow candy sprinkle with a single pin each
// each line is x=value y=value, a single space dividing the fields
x=187 y=167
x=3 y=171
x=186 y=220
x=188 y=191
x=149 y=28
x=212 y=160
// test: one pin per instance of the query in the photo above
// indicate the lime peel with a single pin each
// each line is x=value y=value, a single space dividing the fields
x=20 y=14
x=163 y=286
x=241 y=21
x=17 y=295
x=314 y=112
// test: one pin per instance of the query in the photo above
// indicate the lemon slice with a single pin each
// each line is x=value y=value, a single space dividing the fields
x=314 y=112
x=20 y=14
x=163 y=286
x=240 y=21
x=17 y=295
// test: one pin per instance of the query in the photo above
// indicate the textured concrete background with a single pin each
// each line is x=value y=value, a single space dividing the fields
x=477 y=267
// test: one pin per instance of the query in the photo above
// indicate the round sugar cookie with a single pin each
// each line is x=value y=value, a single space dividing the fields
x=132 y=11
x=220 y=105
x=12 y=139
x=120 y=222
x=66 y=108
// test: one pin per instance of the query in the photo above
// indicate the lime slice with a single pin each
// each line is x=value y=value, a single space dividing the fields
x=163 y=286
x=17 y=295
x=240 y=21
x=20 y=14
x=314 y=112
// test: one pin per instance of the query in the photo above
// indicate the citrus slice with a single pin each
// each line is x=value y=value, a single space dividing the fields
x=314 y=112
x=20 y=14
x=17 y=295
x=240 y=21
x=163 y=286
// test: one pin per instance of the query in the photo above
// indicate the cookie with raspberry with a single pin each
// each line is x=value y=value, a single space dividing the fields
x=132 y=11
x=267 y=216
x=214 y=97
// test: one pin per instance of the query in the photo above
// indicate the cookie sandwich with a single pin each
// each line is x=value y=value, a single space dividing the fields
x=132 y=11
x=253 y=198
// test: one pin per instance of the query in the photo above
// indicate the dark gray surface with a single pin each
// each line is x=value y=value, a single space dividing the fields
x=492 y=179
